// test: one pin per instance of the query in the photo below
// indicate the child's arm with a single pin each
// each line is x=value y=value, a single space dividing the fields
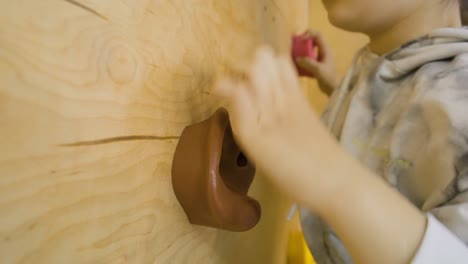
x=274 y=124
x=375 y=223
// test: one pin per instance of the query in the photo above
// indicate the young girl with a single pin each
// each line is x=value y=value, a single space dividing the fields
x=387 y=166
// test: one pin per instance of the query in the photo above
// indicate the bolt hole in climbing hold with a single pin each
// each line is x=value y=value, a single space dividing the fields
x=241 y=160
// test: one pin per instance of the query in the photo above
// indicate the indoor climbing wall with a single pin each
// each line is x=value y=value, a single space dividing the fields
x=93 y=97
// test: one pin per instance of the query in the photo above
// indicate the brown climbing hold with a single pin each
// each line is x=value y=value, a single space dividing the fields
x=211 y=176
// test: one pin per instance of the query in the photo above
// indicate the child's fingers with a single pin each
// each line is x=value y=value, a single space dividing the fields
x=264 y=77
x=288 y=74
x=223 y=88
x=319 y=41
x=242 y=110
x=323 y=50
x=309 y=65
x=236 y=94
x=310 y=33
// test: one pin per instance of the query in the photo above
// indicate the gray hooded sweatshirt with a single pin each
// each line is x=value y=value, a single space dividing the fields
x=405 y=116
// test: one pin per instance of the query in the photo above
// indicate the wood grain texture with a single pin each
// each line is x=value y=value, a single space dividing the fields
x=93 y=95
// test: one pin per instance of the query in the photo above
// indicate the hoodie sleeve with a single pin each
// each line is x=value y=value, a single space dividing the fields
x=440 y=245
x=454 y=215
x=432 y=134
x=444 y=166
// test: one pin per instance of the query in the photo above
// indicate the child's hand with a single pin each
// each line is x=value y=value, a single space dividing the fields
x=274 y=124
x=278 y=131
x=323 y=68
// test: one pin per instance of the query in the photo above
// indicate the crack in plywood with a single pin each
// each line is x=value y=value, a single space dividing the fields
x=117 y=139
x=87 y=8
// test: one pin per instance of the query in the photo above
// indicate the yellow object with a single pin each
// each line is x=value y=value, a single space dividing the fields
x=298 y=252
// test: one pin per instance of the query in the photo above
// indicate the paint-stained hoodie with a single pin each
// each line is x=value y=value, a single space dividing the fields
x=405 y=116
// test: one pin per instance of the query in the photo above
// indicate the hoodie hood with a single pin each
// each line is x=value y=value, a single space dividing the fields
x=440 y=44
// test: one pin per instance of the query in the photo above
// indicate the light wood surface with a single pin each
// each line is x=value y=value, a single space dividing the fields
x=93 y=95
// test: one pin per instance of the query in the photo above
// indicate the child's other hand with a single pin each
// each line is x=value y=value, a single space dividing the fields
x=274 y=124
x=323 y=68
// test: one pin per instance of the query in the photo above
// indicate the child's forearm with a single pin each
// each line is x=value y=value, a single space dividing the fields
x=376 y=224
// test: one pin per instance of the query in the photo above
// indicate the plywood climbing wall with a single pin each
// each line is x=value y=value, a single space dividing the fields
x=93 y=95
